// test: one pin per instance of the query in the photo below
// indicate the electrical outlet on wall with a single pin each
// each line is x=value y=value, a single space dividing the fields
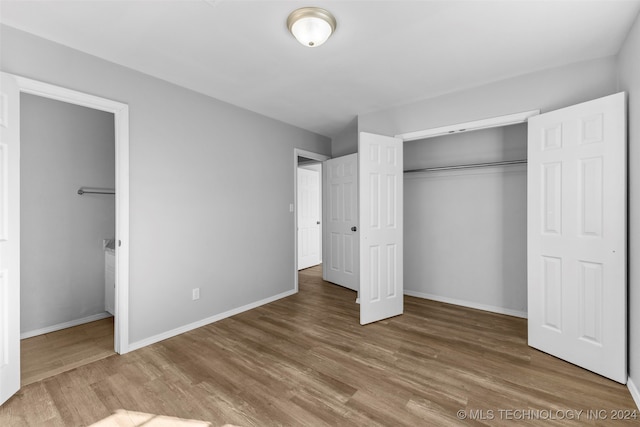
x=195 y=294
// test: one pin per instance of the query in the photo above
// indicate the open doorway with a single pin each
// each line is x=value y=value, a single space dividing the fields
x=12 y=87
x=309 y=213
x=307 y=210
x=68 y=220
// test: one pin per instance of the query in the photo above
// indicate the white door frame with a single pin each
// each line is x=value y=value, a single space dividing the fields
x=488 y=123
x=297 y=152
x=121 y=122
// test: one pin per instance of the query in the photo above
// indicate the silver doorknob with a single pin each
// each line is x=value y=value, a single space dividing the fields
x=354 y=228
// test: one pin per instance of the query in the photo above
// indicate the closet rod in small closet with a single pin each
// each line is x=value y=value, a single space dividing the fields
x=83 y=190
x=475 y=165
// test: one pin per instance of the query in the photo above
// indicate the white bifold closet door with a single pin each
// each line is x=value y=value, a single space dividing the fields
x=577 y=236
x=9 y=237
x=380 y=176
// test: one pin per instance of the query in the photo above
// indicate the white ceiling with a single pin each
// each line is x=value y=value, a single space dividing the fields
x=383 y=53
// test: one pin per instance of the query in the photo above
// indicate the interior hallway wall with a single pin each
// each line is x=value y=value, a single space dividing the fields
x=344 y=143
x=63 y=147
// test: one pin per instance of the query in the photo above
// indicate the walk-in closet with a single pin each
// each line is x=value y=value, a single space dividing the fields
x=67 y=235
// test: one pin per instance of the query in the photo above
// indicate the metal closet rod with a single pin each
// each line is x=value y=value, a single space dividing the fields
x=83 y=190
x=474 y=165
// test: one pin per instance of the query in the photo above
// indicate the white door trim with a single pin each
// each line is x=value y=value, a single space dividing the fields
x=121 y=121
x=297 y=152
x=492 y=122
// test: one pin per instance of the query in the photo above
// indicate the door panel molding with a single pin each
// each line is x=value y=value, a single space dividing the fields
x=380 y=176
x=577 y=236
x=340 y=248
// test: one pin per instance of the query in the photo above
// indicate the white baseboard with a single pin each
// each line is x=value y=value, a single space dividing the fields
x=635 y=393
x=491 y=308
x=65 y=325
x=186 y=328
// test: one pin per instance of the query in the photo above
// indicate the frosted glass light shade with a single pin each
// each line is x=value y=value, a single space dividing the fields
x=311 y=26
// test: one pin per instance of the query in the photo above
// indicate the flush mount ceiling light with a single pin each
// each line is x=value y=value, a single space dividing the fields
x=311 y=26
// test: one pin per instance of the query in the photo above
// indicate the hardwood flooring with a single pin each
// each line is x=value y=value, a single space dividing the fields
x=50 y=354
x=305 y=361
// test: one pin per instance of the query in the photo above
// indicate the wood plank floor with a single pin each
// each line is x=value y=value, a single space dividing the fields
x=50 y=354
x=305 y=361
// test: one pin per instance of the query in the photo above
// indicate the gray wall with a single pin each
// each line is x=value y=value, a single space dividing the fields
x=346 y=142
x=196 y=220
x=629 y=74
x=474 y=218
x=63 y=147
x=545 y=90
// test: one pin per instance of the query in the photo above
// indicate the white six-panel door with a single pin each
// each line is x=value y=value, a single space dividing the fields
x=577 y=235
x=380 y=174
x=340 y=248
x=9 y=237
x=309 y=215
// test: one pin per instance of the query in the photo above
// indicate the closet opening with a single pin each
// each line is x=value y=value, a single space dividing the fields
x=68 y=236
x=465 y=207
